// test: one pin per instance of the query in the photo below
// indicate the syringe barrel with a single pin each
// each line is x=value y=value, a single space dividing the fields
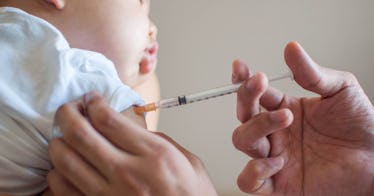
x=212 y=93
x=204 y=95
x=168 y=103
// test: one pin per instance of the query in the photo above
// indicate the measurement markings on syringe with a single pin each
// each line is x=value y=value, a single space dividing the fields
x=183 y=99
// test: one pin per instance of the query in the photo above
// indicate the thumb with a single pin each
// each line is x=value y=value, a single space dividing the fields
x=309 y=75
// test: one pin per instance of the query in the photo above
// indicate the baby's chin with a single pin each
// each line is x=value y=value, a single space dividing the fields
x=148 y=64
x=147 y=69
x=137 y=78
x=143 y=78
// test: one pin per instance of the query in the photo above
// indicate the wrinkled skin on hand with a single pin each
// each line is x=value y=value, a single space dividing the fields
x=305 y=146
x=103 y=152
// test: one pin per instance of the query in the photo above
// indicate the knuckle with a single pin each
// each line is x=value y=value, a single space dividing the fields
x=63 y=110
x=75 y=131
x=239 y=140
x=351 y=78
x=258 y=149
x=162 y=153
x=235 y=138
x=106 y=117
x=197 y=163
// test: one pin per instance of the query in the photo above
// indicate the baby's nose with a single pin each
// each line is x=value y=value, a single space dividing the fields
x=152 y=31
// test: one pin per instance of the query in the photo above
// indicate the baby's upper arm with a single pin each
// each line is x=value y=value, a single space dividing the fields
x=150 y=92
x=137 y=118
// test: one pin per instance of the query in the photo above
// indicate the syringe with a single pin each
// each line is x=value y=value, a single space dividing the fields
x=195 y=97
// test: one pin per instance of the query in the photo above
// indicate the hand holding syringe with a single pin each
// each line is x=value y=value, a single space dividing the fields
x=201 y=96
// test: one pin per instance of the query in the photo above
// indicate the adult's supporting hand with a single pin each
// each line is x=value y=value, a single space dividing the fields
x=305 y=146
x=105 y=153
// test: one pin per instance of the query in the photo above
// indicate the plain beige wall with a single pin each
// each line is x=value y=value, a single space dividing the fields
x=200 y=38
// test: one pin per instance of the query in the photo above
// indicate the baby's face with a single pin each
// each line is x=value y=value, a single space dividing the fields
x=119 y=29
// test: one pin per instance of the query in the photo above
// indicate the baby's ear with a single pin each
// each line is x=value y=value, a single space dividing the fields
x=59 y=4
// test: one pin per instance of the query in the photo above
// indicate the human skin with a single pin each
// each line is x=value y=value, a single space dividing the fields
x=305 y=146
x=108 y=155
x=300 y=146
x=119 y=29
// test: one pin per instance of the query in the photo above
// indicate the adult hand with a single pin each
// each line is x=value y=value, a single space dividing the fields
x=105 y=153
x=305 y=146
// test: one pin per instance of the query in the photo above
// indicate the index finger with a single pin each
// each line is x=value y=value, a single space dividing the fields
x=123 y=132
x=81 y=136
x=248 y=96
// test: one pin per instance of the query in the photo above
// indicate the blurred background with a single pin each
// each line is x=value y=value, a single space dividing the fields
x=199 y=39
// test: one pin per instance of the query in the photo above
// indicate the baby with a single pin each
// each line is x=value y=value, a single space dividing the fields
x=55 y=51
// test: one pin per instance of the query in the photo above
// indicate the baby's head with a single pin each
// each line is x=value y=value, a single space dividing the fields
x=119 y=29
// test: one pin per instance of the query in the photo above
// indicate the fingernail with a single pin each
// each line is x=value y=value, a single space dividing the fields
x=244 y=72
x=234 y=78
x=250 y=85
x=90 y=96
x=56 y=132
x=276 y=163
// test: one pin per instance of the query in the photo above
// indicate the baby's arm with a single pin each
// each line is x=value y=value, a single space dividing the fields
x=136 y=118
x=149 y=90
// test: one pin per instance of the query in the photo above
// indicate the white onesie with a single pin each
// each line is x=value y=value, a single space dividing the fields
x=38 y=73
